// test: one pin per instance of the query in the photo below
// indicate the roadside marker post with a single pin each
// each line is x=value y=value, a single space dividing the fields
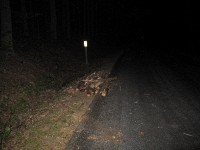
x=85 y=43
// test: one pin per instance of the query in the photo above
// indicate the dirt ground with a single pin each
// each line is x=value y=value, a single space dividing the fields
x=40 y=103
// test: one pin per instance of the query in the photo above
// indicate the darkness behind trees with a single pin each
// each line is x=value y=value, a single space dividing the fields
x=158 y=24
x=42 y=43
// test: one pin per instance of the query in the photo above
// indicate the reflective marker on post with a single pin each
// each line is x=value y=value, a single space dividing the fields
x=86 y=57
x=85 y=43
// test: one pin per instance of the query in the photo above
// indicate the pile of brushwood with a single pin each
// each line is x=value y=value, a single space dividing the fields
x=95 y=83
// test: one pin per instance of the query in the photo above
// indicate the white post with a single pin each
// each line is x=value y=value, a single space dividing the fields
x=86 y=55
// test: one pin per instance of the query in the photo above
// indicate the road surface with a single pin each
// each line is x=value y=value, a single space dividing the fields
x=155 y=105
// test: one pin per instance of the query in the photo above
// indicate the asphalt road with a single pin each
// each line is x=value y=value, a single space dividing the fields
x=155 y=105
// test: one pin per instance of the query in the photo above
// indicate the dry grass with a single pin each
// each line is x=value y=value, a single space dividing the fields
x=52 y=125
x=36 y=111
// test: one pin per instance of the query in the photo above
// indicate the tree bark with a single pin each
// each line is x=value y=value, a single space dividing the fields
x=53 y=23
x=6 y=28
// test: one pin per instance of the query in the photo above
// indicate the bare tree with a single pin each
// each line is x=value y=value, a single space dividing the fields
x=66 y=22
x=53 y=23
x=63 y=17
x=92 y=19
x=24 y=17
x=6 y=28
x=84 y=19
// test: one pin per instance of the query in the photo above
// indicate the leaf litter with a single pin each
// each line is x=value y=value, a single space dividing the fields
x=40 y=115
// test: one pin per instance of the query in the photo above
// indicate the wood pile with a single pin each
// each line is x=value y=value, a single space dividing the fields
x=93 y=84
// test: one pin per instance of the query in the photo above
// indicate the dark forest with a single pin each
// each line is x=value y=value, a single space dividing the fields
x=99 y=74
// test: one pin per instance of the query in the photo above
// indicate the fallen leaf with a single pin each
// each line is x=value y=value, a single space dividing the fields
x=141 y=133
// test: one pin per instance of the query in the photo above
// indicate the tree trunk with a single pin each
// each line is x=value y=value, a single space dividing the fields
x=92 y=19
x=24 y=16
x=6 y=28
x=68 y=20
x=96 y=23
x=84 y=19
x=63 y=18
x=88 y=18
x=53 y=22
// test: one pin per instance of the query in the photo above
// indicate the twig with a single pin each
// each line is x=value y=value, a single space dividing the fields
x=187 y=134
